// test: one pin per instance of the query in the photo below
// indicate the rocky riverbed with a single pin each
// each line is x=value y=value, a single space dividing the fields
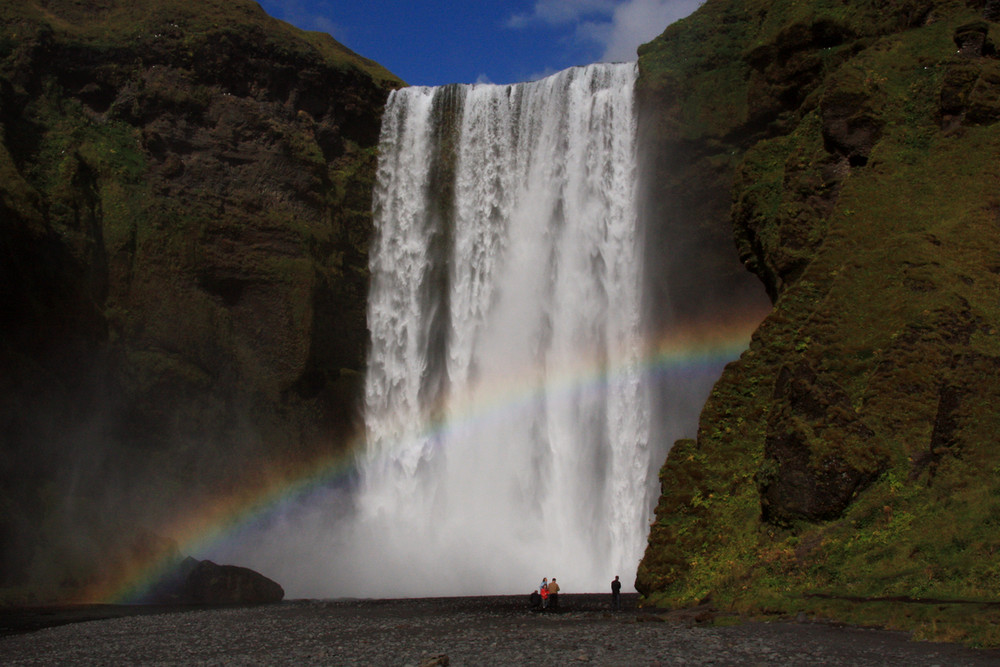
x=455 y=631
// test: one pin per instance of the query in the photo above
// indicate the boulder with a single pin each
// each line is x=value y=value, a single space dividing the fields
x=204 y=582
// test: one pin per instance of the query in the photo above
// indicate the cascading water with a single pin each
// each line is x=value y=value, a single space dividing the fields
x=507 y=415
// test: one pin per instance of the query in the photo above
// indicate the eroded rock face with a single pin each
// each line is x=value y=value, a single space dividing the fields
x=970 y=94
x=805 y=474
x=785 y=70
x=850 y=128
x=186 y=209
x=863 y=195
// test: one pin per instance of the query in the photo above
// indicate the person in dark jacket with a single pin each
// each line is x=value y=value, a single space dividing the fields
x=616 y=594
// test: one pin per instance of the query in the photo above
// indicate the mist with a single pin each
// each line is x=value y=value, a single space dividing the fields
x=516 y=410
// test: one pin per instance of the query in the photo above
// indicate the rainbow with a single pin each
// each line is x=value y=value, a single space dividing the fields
x=700 y=347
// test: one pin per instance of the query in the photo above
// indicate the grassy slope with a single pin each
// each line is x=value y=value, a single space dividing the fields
x=881 y=356
x=119 y=22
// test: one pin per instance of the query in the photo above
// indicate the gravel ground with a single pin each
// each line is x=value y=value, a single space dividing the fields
x=469 y=631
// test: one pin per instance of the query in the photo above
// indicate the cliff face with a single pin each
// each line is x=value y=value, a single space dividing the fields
x=852 y=451
x=184 y=220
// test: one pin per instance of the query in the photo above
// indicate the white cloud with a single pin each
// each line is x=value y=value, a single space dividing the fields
x=323 y=24
x=617 y=27
x=306 y=15
x=638 y=21
x=561 y=12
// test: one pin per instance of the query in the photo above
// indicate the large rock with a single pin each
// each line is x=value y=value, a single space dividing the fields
x=204 y=582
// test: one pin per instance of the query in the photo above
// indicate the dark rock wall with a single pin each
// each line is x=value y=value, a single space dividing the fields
x=851 y=449
x=184 y=222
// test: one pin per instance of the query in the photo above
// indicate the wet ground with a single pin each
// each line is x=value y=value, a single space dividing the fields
x=457 y=631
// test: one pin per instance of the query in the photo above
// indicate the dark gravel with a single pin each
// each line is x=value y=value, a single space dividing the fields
x=469 y=631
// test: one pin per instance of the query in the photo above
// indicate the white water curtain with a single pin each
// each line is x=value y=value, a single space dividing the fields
x=507 y=414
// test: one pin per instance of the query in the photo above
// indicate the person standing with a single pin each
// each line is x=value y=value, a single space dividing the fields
x=554 y=595
x=543 y=590
x=616 y=594
x=536 y=600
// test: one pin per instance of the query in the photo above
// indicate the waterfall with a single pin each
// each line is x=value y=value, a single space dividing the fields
x=506 y=411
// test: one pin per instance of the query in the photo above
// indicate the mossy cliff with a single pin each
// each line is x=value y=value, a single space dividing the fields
x=184 y=219
x=852 y=454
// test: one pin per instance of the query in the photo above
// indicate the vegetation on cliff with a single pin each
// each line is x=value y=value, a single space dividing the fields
x=184 y=221
x=848 y=464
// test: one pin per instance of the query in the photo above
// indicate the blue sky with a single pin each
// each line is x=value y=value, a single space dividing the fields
x=434 y=42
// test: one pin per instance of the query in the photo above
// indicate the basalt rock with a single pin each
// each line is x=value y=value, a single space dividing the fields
x=850 y=127
x=807 y=473
x=851 y=447
x=185 y=218
x=194 y=582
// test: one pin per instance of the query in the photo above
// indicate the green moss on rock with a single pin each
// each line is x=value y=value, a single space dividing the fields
x=849 y=453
